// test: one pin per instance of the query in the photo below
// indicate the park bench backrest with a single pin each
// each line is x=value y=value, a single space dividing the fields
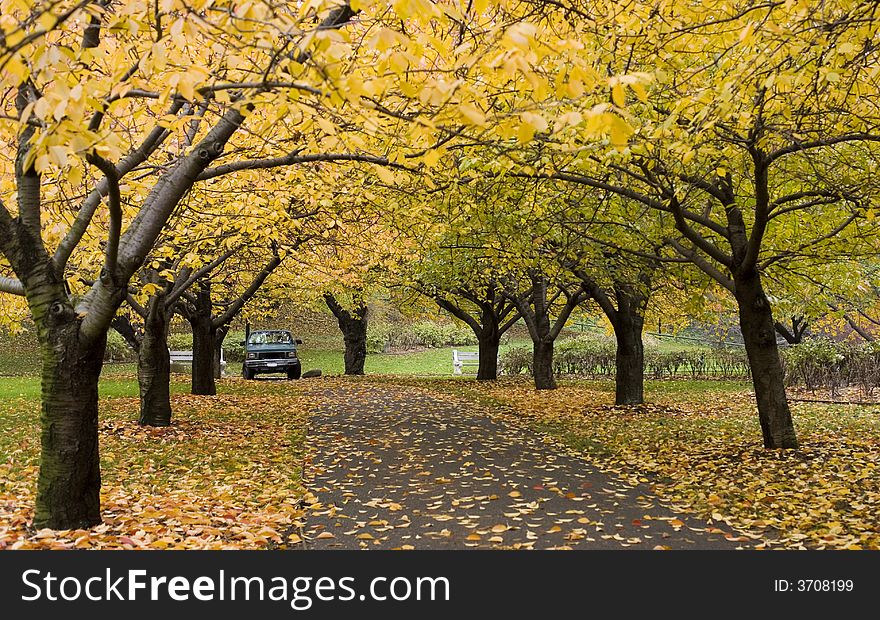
x=181 y=356
x=463 y=358
x=187 y=356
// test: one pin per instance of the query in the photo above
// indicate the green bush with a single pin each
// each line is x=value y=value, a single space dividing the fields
x=825 y=363
x=424 y=334
x=594 y=356
x=180 y=342
x=517 y=361
x=117 y=349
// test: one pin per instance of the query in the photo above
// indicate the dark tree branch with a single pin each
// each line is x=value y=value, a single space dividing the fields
x=114 y=206
x=179 y=287
x=236 y=306
x=295 y=157
x=704 y=265
x=814 y=144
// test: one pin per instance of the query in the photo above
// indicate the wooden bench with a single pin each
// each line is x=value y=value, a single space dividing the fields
x=185 y=358
x=460 y=359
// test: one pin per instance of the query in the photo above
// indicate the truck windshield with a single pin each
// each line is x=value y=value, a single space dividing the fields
x=270 y=338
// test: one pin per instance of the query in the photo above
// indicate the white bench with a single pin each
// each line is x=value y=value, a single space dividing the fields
x=186 y=357
x=460 y=359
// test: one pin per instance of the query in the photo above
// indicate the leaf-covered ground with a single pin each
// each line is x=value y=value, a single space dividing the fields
x=226 y=474
x=700 y=450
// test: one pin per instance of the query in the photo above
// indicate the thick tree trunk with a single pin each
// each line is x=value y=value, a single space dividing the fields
x=355 y=336
x=356 y=352
x=542 y=358
x=630 y=360
x=353 y=325
x=759 y=335
x=154 y=366
x=204 y=338
x=204 y=335
x=69 y=484
x=488 y=367
x=488 y=338
x=629 y=321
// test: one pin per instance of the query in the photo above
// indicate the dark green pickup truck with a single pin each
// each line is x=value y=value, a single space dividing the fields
x=271 y=351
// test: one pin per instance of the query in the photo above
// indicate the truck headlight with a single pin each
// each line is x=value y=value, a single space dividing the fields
x=252 y=356
x=291 y=354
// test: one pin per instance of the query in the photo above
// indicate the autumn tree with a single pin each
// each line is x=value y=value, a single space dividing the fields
x=150 y=99
x=464 y=280
x=151 y=341
x=752 y=150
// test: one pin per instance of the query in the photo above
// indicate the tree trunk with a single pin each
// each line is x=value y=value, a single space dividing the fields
x=69 y=484
x=542 y=356
x=204 y=338
x=154 y=366
x=204 y=335
x=629 y=376
x=488 y=338
x=630 y=361
x=355 y=336
x=488 y=367
x=353 y=325
x=759 y=335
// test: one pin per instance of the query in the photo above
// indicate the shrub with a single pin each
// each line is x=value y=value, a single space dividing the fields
x=117 y=349
x=517 y=361
x=424 y=334
x=593 y=356
x=824 y=363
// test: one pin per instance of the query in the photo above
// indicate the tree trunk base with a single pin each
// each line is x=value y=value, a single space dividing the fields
x=69 y=483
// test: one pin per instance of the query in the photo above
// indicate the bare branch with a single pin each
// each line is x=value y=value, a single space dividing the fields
x=293 y=158
x=180 y=287
x=799 y=147
x=90 y=204
x=703 y=264
x=12 y=286
x=239 y=303
x=114 y=206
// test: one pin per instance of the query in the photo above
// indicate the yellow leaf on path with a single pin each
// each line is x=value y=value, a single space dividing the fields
x=325 y=535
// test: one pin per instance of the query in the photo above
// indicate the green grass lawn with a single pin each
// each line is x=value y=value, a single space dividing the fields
x=119 y=380
x=19 y=375
x=430 y=362
x=112 y=386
